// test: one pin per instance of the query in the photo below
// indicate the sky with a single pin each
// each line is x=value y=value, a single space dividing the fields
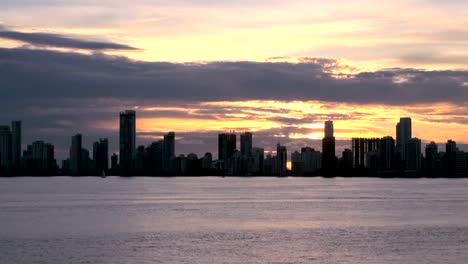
x=201 y=67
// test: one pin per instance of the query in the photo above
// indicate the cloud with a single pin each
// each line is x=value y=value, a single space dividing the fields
x=40 y=73
x=60 y=41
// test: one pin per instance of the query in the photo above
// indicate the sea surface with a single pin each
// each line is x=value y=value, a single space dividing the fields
x=233 y=220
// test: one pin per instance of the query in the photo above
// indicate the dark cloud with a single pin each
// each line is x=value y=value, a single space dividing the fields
x=60 y=41
x=39 y=73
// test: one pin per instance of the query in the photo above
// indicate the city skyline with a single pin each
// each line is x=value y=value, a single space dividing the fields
x=379 y=156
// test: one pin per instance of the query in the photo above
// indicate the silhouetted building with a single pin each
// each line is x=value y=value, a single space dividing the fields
x=86 y=162
x=297 y=164
x=140 y=161
x=101 y=156
x=360 y=148
x=246 y=144
x=281 y=160
x=403 y=135
x=347 y=160
x=258 y=155
x=312 y=160
x=5 y=149
x=432 y=159
x=16 y=143
x=154 y=158
x=226 y=146
x=386 y=154
x=75 y=155
x=328 y=150
x=114 y=163
x=168 y=151
x=207 y=161
x=413 y=155
x=127 y=141
x=329 y=131
x=39 y=159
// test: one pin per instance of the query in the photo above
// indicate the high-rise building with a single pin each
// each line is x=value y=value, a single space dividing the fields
x=347 y=160
x=226 y=145
x=114 y=163
x=127 y=141
x=329 y=129
x=432 y=157
x=258 y=155
x=281 y=159
x=5 y=147
x=413 y=155
x=168 y=151
x=328 y=149
x=386 y=154
x=16 y=143
x=312 y=160
x=101 y=156
x=297 y=164
x=39 y=158
x=403 y=135
x=360 y=148
x=76 y=164
x=246 y=144
x=85 y=162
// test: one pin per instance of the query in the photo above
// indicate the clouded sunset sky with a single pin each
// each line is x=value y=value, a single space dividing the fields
x=200 y=67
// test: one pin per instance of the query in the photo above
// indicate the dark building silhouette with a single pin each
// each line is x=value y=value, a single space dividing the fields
x=297 y=164
x=114 y=163
x=16 y=144
x=281 y=160
x=127 y=141
x=347 y=161
x=168 y=151
x=432 y=159
x=246 y=144
x=101 y=156
x=258 y=157
x=39 y=159
x=361 y=148
x=5 y=149
x=226 y=146
x=86 y=162
x=328 y=150
x=413 y=155
x=312 y=160
x=403 y=135
x=386 y=154
x=76 y=155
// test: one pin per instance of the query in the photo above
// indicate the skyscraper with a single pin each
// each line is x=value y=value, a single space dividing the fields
x=76 y=155
x=127 y=141
x=168 y=150
x=328 y=149
x=226 y=145
x=431 y=158
x=386 y=152
x=413 y=155
x=5 y=147
x=101 y=156
x=16 y=143
x=329 y=128
x=281 y=159
x=403 y=135
x=246 y=144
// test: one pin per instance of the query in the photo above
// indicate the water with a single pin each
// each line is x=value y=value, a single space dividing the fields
x=233 y=220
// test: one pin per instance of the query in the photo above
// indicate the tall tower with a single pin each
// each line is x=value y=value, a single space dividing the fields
x=281 y=159
x=226 y=145
x=168 y=150
x=101 y=156
x=328 y=150
x=403 y=135
x=246 y=144
x=127 y=141
x=328 y=128
x=75 y=154
x=16 y=143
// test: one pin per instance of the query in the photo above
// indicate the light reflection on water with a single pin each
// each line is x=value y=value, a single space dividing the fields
x=233 y=220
